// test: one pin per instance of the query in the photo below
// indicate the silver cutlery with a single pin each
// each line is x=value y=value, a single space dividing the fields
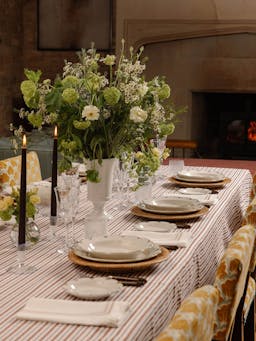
x=183 y=226
x=129 y=281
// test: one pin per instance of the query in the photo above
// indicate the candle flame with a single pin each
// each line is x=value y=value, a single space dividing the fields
x=24 y=141
x=55 y=131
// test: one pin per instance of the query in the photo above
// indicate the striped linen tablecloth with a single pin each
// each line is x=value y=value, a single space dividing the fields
x=154 y=303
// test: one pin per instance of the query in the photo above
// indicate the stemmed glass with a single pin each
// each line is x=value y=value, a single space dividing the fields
x=122 y=181
x=74 y=182
x=160 y=144
x=63 y=199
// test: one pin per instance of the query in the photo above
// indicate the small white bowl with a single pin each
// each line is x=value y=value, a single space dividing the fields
x=194 y=191
x=155 y=226
x=92 y=288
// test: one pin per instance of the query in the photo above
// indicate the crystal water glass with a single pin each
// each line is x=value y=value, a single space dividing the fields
x=175 y=166
x=73 y=181
x=160 y=144
x=63 y=199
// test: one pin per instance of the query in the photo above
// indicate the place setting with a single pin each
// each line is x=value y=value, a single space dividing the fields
x=170 y=208
x=199 y=179
x=117 y=253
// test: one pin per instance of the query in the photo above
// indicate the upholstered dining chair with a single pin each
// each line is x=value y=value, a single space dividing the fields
x=10 y=169
x=231 y=281
x=194 y=320
x=253 y=189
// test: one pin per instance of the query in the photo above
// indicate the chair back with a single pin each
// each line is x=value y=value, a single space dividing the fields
x=253 y=189
x=10 y=169
x=250 y=218
x=194 y=320
x=231 y=278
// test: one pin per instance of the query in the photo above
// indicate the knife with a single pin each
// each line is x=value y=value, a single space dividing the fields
x=130 y=281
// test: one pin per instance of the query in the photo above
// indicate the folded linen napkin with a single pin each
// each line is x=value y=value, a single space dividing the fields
x=109 y=313
x=205 y=199
x=173 y=238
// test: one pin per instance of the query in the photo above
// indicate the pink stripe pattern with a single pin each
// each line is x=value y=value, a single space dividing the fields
x=152 y=304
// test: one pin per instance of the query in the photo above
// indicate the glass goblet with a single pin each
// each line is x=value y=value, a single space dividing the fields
x=74 y=182
x=63 y=199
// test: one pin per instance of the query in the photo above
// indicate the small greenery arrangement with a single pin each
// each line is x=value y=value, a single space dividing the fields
x=147 y=161
x=10 y=204
x=100 y=104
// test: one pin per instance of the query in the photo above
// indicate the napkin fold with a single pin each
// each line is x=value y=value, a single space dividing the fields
x=205 y=199
x=109 y=313
x=173 y=238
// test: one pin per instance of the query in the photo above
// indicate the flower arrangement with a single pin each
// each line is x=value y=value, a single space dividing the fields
x=10 y=204
x=146 y=162
x=101 y=106
x=148 y=159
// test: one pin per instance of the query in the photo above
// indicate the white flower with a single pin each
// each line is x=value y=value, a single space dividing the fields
x=143 y=89
x=138 y=115
x=91 y=113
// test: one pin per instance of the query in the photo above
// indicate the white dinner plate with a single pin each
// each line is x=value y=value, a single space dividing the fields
x=196 y=176
x=171 y=205
x=117 y=249
x=92 y=288
x=194 y=191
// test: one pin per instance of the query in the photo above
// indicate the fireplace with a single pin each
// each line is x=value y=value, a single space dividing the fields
x=228 y=129
x=210 y=65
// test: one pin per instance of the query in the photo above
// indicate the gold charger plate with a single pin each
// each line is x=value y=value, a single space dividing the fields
x=140 y=213
x=120 y=267
x=200 y=184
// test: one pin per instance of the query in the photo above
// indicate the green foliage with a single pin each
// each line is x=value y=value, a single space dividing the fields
x=98 y=113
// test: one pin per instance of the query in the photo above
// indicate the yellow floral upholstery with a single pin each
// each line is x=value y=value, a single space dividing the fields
x=231 y=278
x=250 y=213
x=253 y=190
x=10 y=169
x=194 y=320
x=250 y=218
x=249 y=297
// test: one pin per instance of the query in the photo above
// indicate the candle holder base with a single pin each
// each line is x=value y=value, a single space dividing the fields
x=20 y=268
x=51 y=236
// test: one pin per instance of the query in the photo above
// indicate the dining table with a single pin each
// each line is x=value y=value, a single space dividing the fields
x=167 y=283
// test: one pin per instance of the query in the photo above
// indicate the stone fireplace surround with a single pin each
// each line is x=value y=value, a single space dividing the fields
x=197 y=57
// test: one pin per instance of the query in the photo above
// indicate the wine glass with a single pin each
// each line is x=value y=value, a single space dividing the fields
x=63 y=199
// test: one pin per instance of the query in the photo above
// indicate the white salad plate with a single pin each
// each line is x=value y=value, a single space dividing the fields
x=194 y=191
x=175 y=205
x=92 y=288
x=117 y=249
x=195 y=176
x=155 y=226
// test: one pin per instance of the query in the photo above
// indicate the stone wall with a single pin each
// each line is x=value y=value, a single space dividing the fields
x=179 y=37
x=11 y=39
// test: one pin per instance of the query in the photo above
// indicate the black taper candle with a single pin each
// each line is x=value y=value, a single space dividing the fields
x=23 y=193
x=54 y=176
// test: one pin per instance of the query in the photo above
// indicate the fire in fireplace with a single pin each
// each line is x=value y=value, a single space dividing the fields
x=252 y=131
x=229 y=125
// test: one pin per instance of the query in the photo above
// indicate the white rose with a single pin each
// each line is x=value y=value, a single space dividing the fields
x=91 y=113
x=138 y=115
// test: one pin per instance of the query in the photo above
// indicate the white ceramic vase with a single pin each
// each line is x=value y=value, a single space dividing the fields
x=99 y=193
